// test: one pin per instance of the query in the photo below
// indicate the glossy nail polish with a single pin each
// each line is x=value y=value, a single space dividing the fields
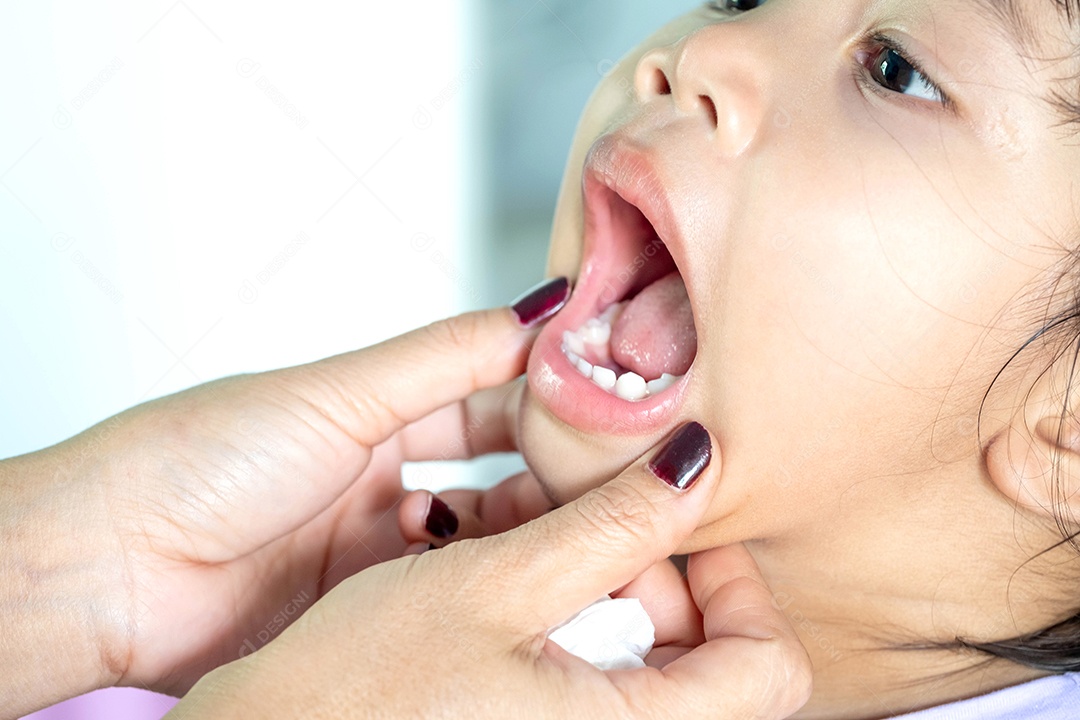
x=541 y=302
x=442 y=521
x=685 y=456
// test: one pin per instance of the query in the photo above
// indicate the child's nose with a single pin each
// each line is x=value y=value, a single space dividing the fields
x=716 y=73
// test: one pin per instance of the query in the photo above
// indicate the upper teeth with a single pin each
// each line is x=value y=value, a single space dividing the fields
x=595 y=332
x=593 y=340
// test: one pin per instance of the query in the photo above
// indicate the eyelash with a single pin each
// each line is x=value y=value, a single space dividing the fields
x=725 y=6
x=871 y=48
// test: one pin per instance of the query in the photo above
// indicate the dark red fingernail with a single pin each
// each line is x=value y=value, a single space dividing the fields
x=685 y=456
x=541 y=302
x=442 y=521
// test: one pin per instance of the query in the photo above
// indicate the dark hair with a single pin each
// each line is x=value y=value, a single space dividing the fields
x=1054 y=649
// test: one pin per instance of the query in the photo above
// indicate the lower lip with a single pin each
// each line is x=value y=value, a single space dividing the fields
x=575 y=400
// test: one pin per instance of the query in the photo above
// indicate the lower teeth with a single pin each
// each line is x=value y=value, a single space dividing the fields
x=593 y=339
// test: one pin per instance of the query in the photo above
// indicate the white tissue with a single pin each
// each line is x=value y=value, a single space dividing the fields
x=611 y=634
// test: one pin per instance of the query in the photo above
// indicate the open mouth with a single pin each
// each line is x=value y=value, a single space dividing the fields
x=619 y=357
x=640 y=338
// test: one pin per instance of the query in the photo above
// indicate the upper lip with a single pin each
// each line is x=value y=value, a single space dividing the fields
x=627 y=168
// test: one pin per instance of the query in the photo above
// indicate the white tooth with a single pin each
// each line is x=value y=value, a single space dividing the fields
x=603 y=377
x=570 y=355
x=584 y=367
x=609 y=314
x=662 y=383
x=595 y=332
x=631 y=386
x=601 y=354
x=574 y=342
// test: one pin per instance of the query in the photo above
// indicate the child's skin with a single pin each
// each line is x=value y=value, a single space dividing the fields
x=861 y=265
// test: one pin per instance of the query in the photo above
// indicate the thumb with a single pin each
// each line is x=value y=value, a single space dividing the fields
x=609 y=536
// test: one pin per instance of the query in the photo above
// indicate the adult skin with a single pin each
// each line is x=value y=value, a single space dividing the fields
x=162 y=544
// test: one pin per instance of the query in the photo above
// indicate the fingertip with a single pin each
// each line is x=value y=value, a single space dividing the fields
x=424 y=517
x=440 y=520
x=685 y=456
x=412 y=514
x=539 y=304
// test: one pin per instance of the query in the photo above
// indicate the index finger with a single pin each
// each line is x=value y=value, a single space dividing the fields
x=374 y=392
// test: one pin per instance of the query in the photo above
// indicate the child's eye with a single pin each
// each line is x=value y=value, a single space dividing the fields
x=889 y=68
x=734 y=6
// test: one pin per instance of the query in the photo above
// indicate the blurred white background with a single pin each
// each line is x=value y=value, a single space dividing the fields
x=191 y=192
x=192 y=189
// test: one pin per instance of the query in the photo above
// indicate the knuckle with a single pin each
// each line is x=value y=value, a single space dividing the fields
x=456 y=335
x=491 y=569
x=355 y=404
x=785 y=675
x=619 y=513
x=459 y=332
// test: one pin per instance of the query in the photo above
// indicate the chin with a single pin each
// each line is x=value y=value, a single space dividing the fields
x=567 y=462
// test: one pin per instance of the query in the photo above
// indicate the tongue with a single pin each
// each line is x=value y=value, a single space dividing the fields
x=655 y=332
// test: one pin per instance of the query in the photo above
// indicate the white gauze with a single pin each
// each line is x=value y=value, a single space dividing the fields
x=612 y=634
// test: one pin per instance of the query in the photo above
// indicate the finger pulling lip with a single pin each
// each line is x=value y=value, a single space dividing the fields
x=618 y=180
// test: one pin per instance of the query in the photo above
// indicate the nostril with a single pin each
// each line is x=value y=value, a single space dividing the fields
x=710 y=108
x=659 y=84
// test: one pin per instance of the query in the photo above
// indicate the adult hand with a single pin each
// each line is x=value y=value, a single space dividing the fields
x=461 y=631
x=189 y=530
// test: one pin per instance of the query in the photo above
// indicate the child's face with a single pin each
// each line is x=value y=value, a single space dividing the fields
x=861 y=259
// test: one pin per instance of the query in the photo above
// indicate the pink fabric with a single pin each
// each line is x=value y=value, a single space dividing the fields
x=113 y=704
